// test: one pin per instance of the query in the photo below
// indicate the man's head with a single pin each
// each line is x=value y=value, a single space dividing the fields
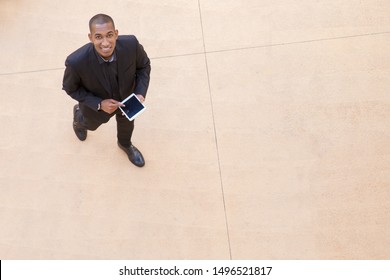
x=103 y=35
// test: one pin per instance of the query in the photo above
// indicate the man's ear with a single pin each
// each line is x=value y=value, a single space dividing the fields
x=90 y=37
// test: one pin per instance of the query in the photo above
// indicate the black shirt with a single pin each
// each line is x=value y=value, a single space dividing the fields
x=110 y=72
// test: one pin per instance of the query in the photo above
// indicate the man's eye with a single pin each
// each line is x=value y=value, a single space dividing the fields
x=109 y=35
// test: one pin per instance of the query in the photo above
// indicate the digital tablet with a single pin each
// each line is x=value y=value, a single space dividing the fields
x=133 y=107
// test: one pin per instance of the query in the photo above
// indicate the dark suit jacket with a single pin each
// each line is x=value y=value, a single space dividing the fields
x=84 y=80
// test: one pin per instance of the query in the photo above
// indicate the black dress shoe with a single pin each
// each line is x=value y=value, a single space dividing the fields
x=81 y=133
x=134 y=155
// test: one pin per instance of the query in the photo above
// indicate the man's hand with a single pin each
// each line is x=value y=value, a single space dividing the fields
x=110 y=105
x=141 y=98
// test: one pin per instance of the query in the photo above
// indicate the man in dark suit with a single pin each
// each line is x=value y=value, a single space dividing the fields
x=101 y=74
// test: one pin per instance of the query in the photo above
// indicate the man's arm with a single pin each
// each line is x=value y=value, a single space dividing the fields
x=73 y=87
x=142 y=72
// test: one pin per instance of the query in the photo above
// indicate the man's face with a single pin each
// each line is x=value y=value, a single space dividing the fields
x=103 y=37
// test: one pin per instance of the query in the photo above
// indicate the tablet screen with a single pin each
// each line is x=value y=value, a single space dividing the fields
x=133 y=107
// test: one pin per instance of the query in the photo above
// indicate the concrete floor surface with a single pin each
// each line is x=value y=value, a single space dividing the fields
x=266 y=133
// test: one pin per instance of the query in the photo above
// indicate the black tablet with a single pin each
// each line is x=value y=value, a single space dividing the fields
x=133 y=107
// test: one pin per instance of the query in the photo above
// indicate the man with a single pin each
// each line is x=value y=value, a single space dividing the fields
x=101 y=74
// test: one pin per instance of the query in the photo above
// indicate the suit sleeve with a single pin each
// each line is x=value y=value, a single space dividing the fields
x=73 y=86
x=142 y=71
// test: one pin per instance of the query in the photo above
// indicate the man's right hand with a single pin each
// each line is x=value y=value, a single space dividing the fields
x=110 y=105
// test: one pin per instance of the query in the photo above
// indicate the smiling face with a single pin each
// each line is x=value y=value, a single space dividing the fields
x=103 y=37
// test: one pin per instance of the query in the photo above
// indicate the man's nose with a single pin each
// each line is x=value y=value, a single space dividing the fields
x=105 y=42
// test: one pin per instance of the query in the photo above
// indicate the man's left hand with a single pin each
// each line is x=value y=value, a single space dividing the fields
x=141 y=98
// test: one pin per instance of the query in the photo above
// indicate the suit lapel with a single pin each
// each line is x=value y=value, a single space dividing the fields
x=123 y=67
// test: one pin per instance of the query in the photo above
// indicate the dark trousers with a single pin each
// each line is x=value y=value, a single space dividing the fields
x=91 y=120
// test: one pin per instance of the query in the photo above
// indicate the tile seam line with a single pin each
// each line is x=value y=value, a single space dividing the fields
x=215 y=132
x=272 y=45
x=32 y=71
x=221 y=51
x=300 y=42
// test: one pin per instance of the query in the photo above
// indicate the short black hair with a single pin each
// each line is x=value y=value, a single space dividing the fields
x=100 y=19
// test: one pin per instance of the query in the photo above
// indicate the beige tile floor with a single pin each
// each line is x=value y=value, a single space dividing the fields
x=266 y=134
